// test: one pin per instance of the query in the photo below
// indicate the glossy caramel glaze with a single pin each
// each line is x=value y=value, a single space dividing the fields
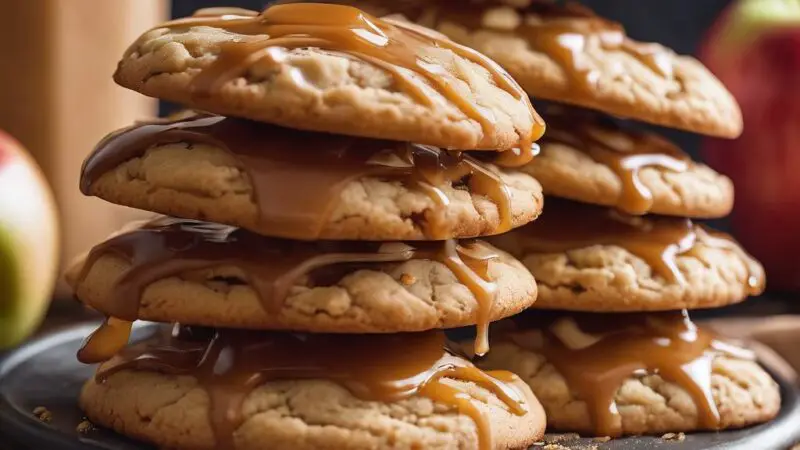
x=168 y=247
x=658 y=240
x=596 y=353
x=399 y=48
x=626 y=152
x=298 y=176
x=229 y=364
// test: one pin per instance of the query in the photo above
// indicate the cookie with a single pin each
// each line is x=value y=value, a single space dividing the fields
x=305 y=185
x=334 y=408
x=208 y=274
x=588 y=258
x=641 y=394
x=591 y=159
x=333 y=68
x=568 y=54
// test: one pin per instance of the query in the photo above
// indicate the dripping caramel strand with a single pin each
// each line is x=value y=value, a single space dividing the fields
x=383 y=368
x=668 y=344
x=625 y=152
x=298 y=176
x=167 y=247
x=398 y=48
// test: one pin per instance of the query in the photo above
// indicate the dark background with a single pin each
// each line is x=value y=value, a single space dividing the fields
x=678 y=24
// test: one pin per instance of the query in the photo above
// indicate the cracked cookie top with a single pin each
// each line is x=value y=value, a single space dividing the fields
x=566 y=53
x=333 y=68
x=588 y=157
x=306 y=392
x=630 y=374
x=589 y=258
x=199 y=273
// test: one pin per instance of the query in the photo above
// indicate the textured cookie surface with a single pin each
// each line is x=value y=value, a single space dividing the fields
x=565 y=171
x=610 y=278
x=622 y=83
x=416 y=295
x=743 y=393
x=310 y=88
x=206 y=183
x=172 y=412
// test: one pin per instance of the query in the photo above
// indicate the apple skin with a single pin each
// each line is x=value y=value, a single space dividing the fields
x=29 y=243
x=755 y=52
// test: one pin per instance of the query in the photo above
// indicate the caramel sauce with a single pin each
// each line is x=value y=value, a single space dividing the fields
x=668 y=344
x=230 y=364
x=111 y=337
x=657 y=240
x=167 y=247
x=625 y=152
x=567 y=38
x=401 y=49
x=564 y=32
x=298 y=176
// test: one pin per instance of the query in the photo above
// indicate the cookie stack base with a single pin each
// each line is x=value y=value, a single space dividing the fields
x=172 y=411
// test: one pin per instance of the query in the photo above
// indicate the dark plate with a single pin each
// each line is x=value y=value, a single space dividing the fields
x=45 y=373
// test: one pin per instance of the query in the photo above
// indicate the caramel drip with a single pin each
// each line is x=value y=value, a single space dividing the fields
x=655 y=239
x=625 y=152
x=167 y=247
x=111 y=337
x=401 y=49
x=384 y=368
x=569 y=226
x=569 y=40
x=298 y=176
x=516 y=157
x=668 y=344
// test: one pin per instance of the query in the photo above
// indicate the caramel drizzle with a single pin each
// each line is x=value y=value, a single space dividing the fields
x=625 y=152
x=657 y=240
x=229 y=364
x=398 y=48
x=167 y=248
x=298 y=176
x=668 y=344
x=563 y=32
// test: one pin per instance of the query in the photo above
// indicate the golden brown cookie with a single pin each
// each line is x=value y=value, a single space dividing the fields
x=588 y=258
x=310 y=399
x=304 y=185
x=589 y=158
x=207 y=274
x=560 y=360
x=336 y=69
x=568 y=54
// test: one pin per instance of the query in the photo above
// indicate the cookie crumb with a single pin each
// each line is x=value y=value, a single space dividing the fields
x=602 y=439
x=556 y=438
x=84 y=427
x=407 y=279
x=676 y=437
x=43 y=414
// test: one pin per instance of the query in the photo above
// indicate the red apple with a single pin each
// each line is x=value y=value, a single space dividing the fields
x=754 y=48
x=28 y=243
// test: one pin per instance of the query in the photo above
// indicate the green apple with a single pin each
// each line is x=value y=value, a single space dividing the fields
x=28 y=243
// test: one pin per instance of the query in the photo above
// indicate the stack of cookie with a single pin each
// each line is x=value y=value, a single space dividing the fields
x=311 y=232
x=621 y=238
